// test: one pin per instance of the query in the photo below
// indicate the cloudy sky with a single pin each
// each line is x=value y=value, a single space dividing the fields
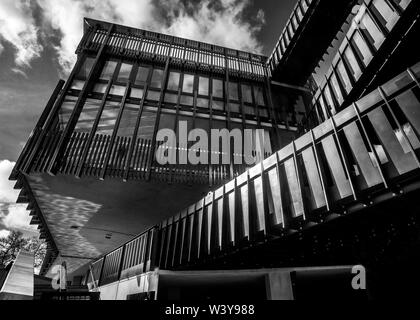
x=38 y=39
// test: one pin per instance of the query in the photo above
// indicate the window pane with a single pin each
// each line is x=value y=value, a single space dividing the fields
x=124 y=73
x=362 y=49
x=263 y=112
x=136 y=93
x=371 y=30
x=171 y=98
x=108 y=117
x=217 y=88
x=259 y=96
x=100 y=88
x=246 y=93
x=187 y=100
x=128 y=120
x=218 y=105
x=117 y=90
x=344 y=77
x=233 y=91
x=203 y=88
x=108 y=70
x=403 y=3
x=153 y=95
x=202 y=103
x=77 y=84
x=142 y=75
x=66 y=109
x=329 y=100
x=157 y=76
x=173 y=81
x=147 y=125
x=86 y=67
x=234 y=107
x=188 y=85
x=388 y=15
x=88 y=115
x=352 y=63
x=249 y=110
x=336 y=87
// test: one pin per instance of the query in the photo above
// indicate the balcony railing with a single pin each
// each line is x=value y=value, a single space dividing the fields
x=368 y=148
x=142 y=44
x=299 y=14
x=369 y=32
x=143 y=162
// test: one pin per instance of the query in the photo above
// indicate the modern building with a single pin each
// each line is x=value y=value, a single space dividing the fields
x=337 y=154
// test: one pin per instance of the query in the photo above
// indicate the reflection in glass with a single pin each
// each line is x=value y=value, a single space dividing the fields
x=136 y=93
x=108 y=117
x=86 y=67
x=147 y=125
x=188 y=85
x=124 y=74
x=142 y=75
x=88 y=115
x=108 y=70
x=173 y=81
x=259 y=95
x=203 y=88
x=233 y=91
x=218 y=105
x=217 y=88
x=157 y=76
x=117 y=90
x=128 y=120
x=202 y=103
x=246 y=93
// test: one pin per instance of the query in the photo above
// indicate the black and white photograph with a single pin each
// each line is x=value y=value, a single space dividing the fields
x=205 y=157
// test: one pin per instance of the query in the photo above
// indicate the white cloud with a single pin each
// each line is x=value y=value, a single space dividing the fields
x=17 y=218
x=4 y=233
x=7 y=193
x=66 y=16
x=214 y=21
x=20 y=72
x=12 y=216
x=17 y=27
x=223 y=26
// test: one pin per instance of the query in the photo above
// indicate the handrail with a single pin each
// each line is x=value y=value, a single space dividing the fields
x=361 y=148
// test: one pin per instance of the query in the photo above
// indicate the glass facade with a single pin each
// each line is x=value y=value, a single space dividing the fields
x=364 y=39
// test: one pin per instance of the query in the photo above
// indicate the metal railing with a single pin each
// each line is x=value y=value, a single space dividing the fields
x=299 y=14
x=147 y=45
x=367 y=148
